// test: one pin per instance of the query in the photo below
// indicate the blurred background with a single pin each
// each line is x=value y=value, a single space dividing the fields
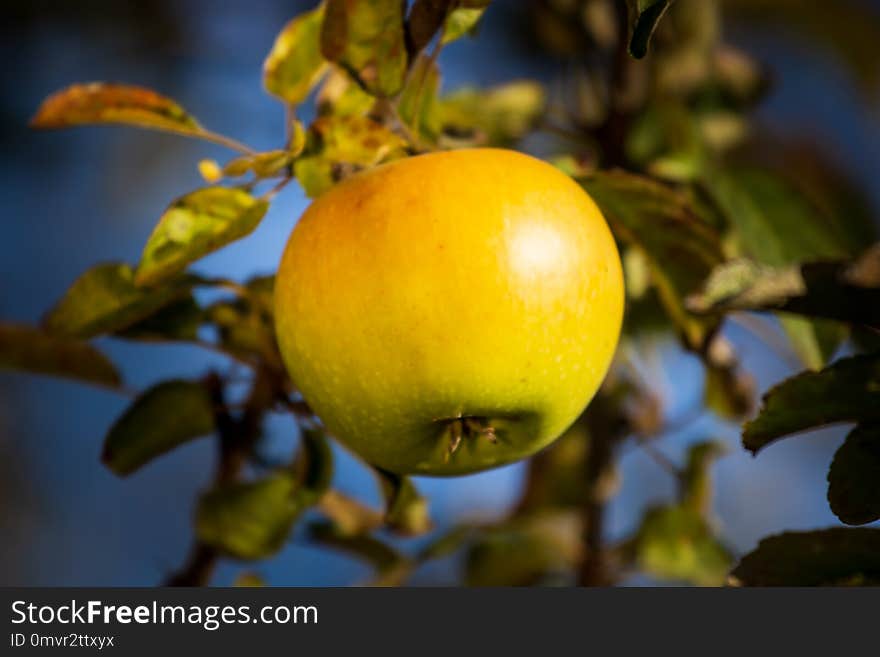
x=73 y=198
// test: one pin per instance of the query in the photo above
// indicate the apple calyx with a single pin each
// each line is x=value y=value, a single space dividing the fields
x=471 y=427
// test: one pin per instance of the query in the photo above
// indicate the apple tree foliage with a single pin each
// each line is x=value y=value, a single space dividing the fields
x=718 y=220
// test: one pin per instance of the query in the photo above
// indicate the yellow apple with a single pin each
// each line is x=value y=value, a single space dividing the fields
x=450 y=312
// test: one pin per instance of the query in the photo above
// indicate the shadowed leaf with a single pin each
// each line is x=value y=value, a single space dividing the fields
x=165 y=416
x=854 y=477
x=30 y=349
x=681 y=249
x=106 y=299
x=180 y=320
x=295 y=63
x=366 y=37
x=251 y=520
x=644 y=16
x=846 y=391
x=195 y=225
x=98 y=102
x=830 y=557
x=777 y=226
x=425 y=18
x=676 y=543
x=844 y=291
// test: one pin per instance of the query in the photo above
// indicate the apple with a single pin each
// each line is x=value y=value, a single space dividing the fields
x=450 y=312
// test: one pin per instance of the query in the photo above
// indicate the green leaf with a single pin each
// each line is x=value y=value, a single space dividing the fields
x=497 y=116
x=644 y=16
x=262 y=165
x=165 y=416
x=367 y=548
x=250 y=520
x=341 y=96
x=406 y=509
x=696 y=478
x=463 y=20
x=105 y=299
x=681 y=249
x=338 y=146
x=676 y=543
x=417 y=105
x=829 y=557
x=854 y=477
x=29 y=349
x=97 y=102
x=846 y=391
x=366 y=37
x=777 y=226
x=178 y=321
x=843 y=291
x=295 y=64
x=527 y=551
x=195 y=225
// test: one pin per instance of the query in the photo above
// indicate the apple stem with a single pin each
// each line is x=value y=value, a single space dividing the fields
x=470 y=427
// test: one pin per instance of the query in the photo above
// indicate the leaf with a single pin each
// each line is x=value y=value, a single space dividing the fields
x=195 y=225
x=854 y=477
x=828 y=557
x=417 y=105
x=338 y=146
x=676 y=543
x=406 y=510
x=846 y=391
x=295 y=64
x=644 y=16
x=98 y=102
x=180 y=320
x=314 y=465
x=105 y=299
x=341 y=96
x=463 y=20
x=425 y=18
x=497 y=116
x=531 y=550
x=696 y=477
x=29 y=349
x=262 y=165
x=250 y=520
x=367 y=548
x=165 y=416
x=681 y=249
x=777 y=226
x=844 y=291
x=348 y=515
x=366 y=37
